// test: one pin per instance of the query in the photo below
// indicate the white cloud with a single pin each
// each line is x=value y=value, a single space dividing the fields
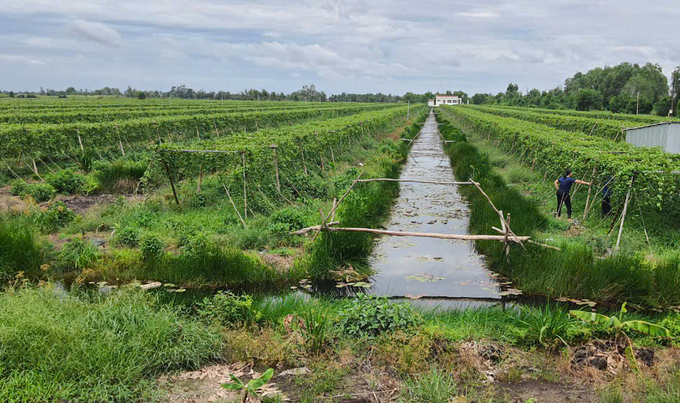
x=97 y=32
x=20 y=59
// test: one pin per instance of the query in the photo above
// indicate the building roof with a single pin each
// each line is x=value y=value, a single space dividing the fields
x=446 y=96
x=670 y=122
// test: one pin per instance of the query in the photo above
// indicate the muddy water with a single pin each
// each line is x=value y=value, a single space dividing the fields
x=449 y=271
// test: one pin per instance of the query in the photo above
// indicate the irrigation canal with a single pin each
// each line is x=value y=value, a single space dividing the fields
x=442 y=272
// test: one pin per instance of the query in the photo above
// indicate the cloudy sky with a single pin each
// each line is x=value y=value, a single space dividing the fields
x=392 y=46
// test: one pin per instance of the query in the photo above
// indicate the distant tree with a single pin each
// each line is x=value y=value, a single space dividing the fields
x=621 y=103
x=663 y=106
x=70 y=91
x=588 y=99
x=479 y=99
x=675 y=89
x=11 y=94
x=141 y=95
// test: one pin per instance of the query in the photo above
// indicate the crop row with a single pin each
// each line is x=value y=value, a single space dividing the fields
x=640 y=119
x=55 y=139
x=298 y=147
x=607 y=128
x=105 y=115
x=553 y=150
x=58 y=104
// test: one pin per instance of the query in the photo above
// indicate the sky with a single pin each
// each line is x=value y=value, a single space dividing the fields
x=389 y=46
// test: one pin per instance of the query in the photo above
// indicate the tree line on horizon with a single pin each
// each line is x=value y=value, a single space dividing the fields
x=625 y=88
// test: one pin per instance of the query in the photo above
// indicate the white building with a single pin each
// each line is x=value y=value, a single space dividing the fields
x=446 y=100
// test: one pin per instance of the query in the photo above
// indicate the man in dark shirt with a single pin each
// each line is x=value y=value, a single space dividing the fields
x=563 y=186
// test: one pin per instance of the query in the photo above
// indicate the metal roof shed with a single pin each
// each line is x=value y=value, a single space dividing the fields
x=664 y=134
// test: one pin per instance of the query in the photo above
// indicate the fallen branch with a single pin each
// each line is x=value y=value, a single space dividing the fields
x=498 y=212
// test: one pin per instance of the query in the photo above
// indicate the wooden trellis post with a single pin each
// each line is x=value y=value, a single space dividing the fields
x=276 y=167
x=245 y=195
x=217 y=133
x=590 y=189
x=332 y=156
x=623 y=214
x=120 y=143
x=80 y=141
x=172 y=183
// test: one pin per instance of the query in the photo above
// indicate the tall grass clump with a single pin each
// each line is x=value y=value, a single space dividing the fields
x=434 y=386
x=120 y=176
x=70 y=346
x=574 y=271
x=19 y=250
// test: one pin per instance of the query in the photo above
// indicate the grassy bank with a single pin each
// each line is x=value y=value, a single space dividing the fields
x=91 y=346
x=74 y=346
x=575 y=271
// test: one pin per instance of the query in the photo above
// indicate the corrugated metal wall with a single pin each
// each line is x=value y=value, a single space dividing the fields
x=660 y=135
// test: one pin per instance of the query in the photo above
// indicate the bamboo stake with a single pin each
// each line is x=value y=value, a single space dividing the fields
x=496 y=210
x=172 y=183
x=14 y=173
x=462 y=237
x=413 y=180
x=36 y=173
x=276 y=167
x=234 y=205
x=507 y=231
x=529 y=240
x=323 y=223
x=590 y=189
x=313 y=228
x=200 y=180
x=35 y=167
x=80 y=141
x=623 y=215
x=304 y=163
x=332 y=156
x=45 y=164
x=245 y=195
x=217 y=133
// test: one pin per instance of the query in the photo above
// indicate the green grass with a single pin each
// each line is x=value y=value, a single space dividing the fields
x=72 y=346
x=576 y=271
x=435 y=386
x=19 y=250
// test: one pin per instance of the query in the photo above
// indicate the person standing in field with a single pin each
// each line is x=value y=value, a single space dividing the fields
x=563 y=186
x=607 y=198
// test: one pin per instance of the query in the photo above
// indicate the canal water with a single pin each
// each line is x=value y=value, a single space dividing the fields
x=434 y=271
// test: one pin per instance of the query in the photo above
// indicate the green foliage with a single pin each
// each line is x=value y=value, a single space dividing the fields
x=316 y=328
x=78 y=253
x=120 y=175
x=152 y=247
x=76 y=347
x=369 y=316
x=291 y=218
x=588 y=100
x=434 y=386
x=128 y=236
x=40 y=192
x=618 y=324
x=56 y=216
x=19 y=250
x=251 y=387
x=546 y=326
x=66 y=181
x=228 y=309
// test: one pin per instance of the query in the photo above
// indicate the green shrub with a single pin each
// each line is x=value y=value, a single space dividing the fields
x=66 y=181
x=114 y=176
x=128 y=236
x=369 y=316
x=152 y=247
x=289 y=217
x=56 y=216
x=41 y=192
x=60 y=346
x=19 y=188
x=78 y=253
x=228 y=309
